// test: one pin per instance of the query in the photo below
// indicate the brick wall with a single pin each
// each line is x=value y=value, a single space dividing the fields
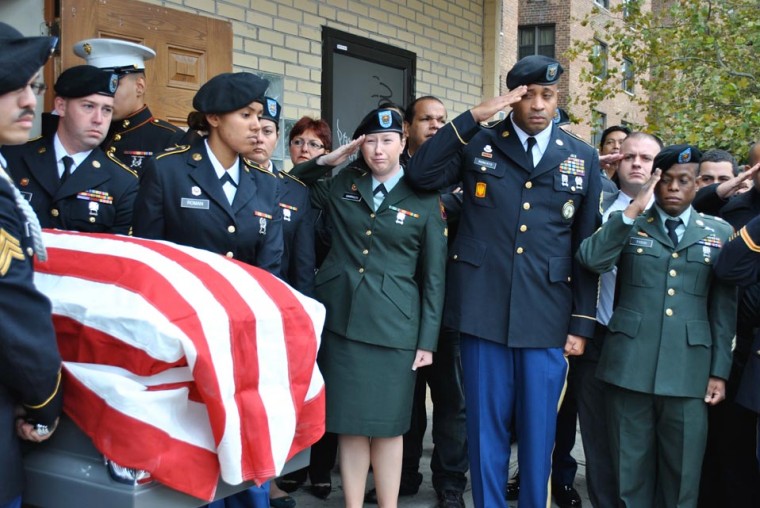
x=284 y=37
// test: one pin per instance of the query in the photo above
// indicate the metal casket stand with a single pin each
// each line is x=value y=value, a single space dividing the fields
x=67 y=471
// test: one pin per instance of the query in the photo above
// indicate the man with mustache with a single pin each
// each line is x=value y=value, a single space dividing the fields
x=667 y=352
x=530 y=196
x=69 y=181
x=30 y=366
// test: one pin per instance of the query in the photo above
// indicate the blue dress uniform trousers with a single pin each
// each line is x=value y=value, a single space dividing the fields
x=524 y=384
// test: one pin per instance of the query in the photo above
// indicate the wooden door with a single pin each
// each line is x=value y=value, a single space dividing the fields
x=190 y=48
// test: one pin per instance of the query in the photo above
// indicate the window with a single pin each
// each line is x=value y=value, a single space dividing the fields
x=603 y=3
x=599 y=59
x=627 y=79
x=536 y=40
x=598 y=124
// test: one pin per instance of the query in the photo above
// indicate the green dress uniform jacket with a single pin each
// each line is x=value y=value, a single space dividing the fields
x=98 y=197
x=383 y=279
x=674 y=321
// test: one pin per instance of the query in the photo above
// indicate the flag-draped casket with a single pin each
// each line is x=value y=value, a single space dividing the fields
x=181 y=362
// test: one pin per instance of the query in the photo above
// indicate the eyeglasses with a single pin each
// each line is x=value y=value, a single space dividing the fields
x=298 y=142
x=38 y=88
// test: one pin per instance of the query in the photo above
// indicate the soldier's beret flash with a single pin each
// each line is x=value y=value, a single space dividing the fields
x=534 y=70
x=21 y=57
x=380 y=120
x=229 y=91
x=676 y=154
x=121 y=57
x=272 y=109
x=84 y=80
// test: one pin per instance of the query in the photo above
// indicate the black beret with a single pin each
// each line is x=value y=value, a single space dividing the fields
x=84 y=80
x=380 y=120
x=21 y=57
x=676 y=154
x=229 y=92
x=534 y=70
x=272 y=109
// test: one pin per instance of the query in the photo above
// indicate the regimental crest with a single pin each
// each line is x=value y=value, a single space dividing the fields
x=272 y=107
x=684 y=156
x=10 y=249
x=87 y=48
x=113 y=84
x=551 y=72
x=385 y=119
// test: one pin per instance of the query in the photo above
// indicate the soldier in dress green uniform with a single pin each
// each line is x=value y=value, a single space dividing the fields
x=668 y=350
x=383 y=285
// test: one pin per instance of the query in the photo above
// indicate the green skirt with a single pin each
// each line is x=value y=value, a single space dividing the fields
x=369 y=388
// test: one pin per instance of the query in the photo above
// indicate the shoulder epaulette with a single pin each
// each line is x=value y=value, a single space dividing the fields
x=492 y=124
x=112 y=158
x=713 y=217
x=283 y=174
x=164 y=125
x=575 y=136
x=255 y=165
x=173 y=150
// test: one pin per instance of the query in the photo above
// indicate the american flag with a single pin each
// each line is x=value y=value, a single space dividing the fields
x=181 y=362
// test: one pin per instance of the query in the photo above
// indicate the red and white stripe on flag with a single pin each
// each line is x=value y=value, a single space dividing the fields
x=182 y=362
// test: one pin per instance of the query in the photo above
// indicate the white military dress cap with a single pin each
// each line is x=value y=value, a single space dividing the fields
x=114 y=54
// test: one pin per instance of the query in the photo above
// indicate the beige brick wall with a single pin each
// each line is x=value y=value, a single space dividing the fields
x=284 y=37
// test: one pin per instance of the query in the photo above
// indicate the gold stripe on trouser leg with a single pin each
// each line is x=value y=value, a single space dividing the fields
x=559 y=404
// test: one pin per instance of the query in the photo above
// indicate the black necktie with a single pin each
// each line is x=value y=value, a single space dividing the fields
x=529 y=151
x=380 y=189
x=227 y=178
x=672 y=224
x=68 y=162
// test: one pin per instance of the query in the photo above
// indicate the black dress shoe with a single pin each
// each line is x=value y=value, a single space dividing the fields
x=450 y=499
x=566 y=496
x=321 y=490
x=513 y=487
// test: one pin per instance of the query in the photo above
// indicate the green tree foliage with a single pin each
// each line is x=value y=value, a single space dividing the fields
x=696 y=68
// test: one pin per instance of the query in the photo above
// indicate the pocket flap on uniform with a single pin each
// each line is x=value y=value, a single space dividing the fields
x=469 y=250
x=560 y=269
x=698 y=333
x=625 y=321
x=398 y=296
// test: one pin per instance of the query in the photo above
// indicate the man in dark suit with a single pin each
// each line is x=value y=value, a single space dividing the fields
x=69 y=181
x=531 y=195
x=667 y=353
x=30 y=366
x=135 y=134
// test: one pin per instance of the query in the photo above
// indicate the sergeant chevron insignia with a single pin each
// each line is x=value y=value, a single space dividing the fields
x=10 y=249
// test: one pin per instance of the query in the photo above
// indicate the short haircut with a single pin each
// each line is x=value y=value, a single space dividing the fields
x=644 y=135
x=752 y=148
x=609 y=130
x=317 y=125
x=718 y=155
x=410 y=109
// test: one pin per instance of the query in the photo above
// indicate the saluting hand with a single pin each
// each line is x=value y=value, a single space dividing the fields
x=736 y=184
x=489 y=108
x=609 y=160
x=422 y=359
x=341 y=154
x=716 y=391
x=575 y=345
x=644 y=197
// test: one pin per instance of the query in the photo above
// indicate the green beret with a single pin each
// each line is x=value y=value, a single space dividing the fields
x=676 y=154
x=84 y=80
x=21 y=57
x=229 y=92
x=534 y=70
